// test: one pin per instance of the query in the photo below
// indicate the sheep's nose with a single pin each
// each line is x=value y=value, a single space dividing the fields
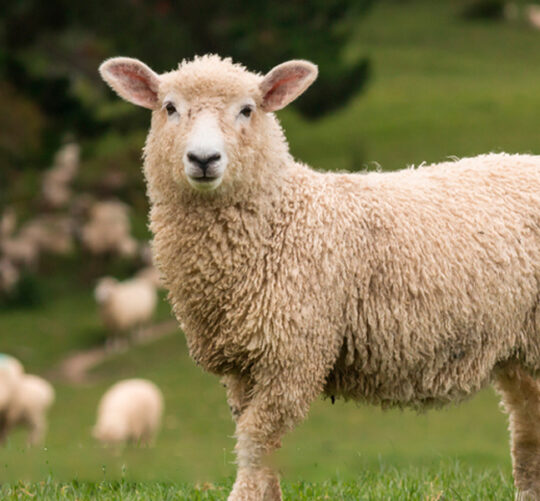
x=203 y=160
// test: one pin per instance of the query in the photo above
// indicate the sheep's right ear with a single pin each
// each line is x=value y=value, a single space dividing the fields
x=132 y=80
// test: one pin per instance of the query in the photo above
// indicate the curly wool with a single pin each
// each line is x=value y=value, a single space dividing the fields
x=390 y=285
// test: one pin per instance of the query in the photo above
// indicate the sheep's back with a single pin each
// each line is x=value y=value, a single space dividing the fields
x=447 y=280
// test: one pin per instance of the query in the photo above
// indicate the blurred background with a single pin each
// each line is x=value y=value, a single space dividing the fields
x=401 y=82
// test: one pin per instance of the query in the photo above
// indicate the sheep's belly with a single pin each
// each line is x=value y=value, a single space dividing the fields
x=418 y=387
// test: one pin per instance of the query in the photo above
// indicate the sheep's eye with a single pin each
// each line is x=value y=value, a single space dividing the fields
x=246 y=111
x=170 y=108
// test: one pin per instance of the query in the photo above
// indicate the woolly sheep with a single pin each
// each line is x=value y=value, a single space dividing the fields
x=108 y=230
x=28 y=406
x=150 y=274
x=49 y=233
x=55 y=185
x=9 y=275
x=125 y=305
x=20 y=250
x=130 y=411
x=10 y=372
x=414 y=288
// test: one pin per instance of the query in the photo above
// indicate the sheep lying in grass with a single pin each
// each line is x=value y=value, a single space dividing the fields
x=414 y=288
x=29 y=406
x=129 y=411
x=125 y=305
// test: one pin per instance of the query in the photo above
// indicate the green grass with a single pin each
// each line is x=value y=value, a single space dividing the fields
x=440 y=87
x=447 y=481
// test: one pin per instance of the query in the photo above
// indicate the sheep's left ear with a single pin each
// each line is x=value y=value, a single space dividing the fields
x=132 y=80
x=284 y=83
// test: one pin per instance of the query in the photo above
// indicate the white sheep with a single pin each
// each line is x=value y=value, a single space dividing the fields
x=414 y=288
x=55 y=188
x=51 y=234
x=125 y=305
x=150 y=274
x=28 y=407
x=11 y=371
x=108 y=230
x=130 y=411
x=9 y=275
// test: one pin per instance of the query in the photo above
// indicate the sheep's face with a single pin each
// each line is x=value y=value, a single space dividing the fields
x=212 y=123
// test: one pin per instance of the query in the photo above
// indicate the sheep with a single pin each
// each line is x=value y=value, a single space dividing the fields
x=20 y=250
x=55 y=184
x=150 y=274
x=9 y=275
x=125 y=305
x=129 y=411
x=11 y=371
x=28 y=407
x=108 y=230
x=414 y=288
x=52 y=234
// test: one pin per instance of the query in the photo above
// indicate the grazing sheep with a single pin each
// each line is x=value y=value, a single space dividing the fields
x=108 y=230
x=28 y=406
x=51 y=234
x=125 y=305
x=10 y=372
x=20 y=250
x=414 y=288
x=130 y=411
x=55 y=186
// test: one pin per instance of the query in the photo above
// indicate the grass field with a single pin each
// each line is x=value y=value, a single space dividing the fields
x=440 y=87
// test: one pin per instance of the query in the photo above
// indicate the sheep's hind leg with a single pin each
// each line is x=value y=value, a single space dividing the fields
x=521 y=397
x=238 y=393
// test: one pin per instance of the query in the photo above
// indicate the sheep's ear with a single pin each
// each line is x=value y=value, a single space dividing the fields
x=284 y=83
x=132 y=80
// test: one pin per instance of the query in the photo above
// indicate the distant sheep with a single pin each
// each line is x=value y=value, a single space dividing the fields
x=414 y=288
x=11 y=370
x=55 y=188
x=9 y=275
x=28 y=407
x=130 y=411
x=150 y=274
x=125 y=305
x=51 y=234
x=108 y=230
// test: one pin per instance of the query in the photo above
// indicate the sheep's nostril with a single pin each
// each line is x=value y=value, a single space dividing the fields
x=203 y=160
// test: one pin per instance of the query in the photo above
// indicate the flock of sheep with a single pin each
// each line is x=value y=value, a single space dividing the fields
x=98 y=228
x=130 y=411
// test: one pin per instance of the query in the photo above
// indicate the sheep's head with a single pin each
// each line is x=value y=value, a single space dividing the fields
x=104 y=288
x=212 y=121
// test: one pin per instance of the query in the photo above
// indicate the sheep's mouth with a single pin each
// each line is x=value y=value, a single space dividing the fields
x=205 y=179
x=205 y=183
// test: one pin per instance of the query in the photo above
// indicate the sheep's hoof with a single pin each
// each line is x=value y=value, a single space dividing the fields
x=527 y=495
x=256 y=486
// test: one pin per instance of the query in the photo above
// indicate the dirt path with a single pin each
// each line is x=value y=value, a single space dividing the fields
x=75 y=367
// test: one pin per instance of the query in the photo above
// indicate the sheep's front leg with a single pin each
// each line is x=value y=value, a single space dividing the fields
x=521 y=397
x=280 y=398
x=37 y=429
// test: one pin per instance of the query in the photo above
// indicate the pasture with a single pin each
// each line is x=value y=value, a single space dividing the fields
x=441 y=87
